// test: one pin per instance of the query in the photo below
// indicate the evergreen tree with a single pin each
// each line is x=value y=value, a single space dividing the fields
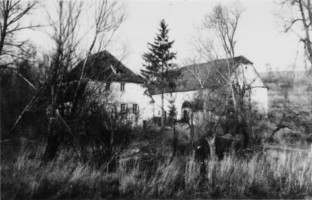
x=159 y=70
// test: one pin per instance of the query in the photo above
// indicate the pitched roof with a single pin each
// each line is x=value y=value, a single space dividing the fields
x=103 y=66
x=211 y=74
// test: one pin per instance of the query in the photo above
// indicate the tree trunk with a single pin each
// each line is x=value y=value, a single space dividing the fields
x=307 y=40
x=175 y=141
x=52 y=143
x=192 y=128
x=162 y=111
x=51 y=148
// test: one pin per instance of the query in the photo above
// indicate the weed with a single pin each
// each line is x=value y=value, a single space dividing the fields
x=272 y=174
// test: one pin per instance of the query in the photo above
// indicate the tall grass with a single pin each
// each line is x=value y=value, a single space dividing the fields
x=272 y=174
x=269 y=175
x=63 y=177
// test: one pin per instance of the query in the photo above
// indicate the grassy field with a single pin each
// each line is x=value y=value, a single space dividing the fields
x=275 y=173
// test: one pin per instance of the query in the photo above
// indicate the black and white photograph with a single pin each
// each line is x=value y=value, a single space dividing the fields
x=156 y=99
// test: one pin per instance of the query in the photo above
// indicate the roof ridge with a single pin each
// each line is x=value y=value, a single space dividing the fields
x=99 y=64
x=236 y=58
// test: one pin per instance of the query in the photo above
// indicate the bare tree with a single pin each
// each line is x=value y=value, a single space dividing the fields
x=107 y=20
x=12 y=12
x=64 y=36
x=223 y=21
x=221 y=26
x=65 y=56
x=285 y=114
x=298 y=19
x=230 y=85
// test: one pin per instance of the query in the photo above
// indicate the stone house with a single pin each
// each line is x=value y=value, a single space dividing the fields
x=206 y=78
x=116 y=87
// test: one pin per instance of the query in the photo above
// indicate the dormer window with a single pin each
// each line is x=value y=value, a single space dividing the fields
x=107 y=86
x=122 y=87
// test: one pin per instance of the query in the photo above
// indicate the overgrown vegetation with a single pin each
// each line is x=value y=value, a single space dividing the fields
x=62 y=137
x=268 y=174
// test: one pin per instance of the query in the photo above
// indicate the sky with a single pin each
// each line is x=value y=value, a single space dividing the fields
x=259 y=36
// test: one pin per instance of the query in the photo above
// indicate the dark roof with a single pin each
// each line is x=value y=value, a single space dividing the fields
x=103 y=66
x=212 y=74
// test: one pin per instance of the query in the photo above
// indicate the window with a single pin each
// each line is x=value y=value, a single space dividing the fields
x=135 y=108
x=122 y=87
x=107 y=86
x=123 y=108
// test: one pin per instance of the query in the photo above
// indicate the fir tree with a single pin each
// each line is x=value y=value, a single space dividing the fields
x=159 y=67
x=158 y=61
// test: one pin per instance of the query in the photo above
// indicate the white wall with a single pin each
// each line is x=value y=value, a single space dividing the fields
x=259 y=93
x=133 y=94
x=260 y=100
x=178 y=97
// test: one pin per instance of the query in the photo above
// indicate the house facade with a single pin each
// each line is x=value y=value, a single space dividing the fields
x=206 y=79
x=116 y=87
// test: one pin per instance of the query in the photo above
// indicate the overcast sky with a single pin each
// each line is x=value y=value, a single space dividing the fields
x=259 y=37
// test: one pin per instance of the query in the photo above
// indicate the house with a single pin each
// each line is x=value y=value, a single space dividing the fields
x=207 y=78
x=113 y=85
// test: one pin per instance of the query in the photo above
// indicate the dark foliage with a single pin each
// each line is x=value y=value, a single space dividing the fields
x=158 y=65
x=223 y=146
x=202 y=152
x=15 y=92
x=285 y=114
